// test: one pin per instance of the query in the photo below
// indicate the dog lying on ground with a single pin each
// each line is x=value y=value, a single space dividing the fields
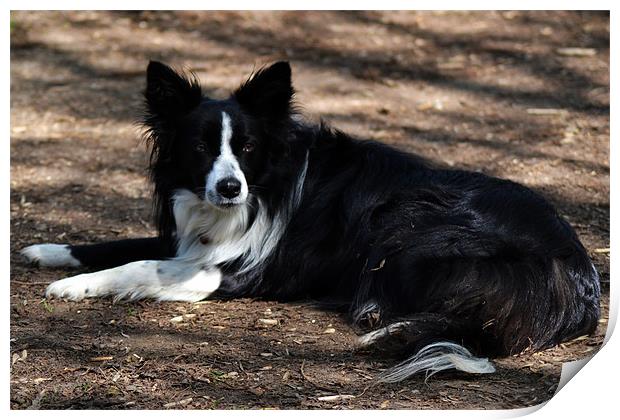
x=450 y=267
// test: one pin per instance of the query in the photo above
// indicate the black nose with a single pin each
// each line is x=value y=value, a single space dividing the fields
x=228 y=187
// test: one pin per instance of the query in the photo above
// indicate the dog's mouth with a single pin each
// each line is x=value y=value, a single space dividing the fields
x=228 y=205
x=224 y=204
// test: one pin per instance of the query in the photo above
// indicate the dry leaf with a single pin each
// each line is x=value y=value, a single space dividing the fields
x=576 y=52
x=336 y=397
x=268 y=321
x=381 y=264
x=101 y=358
x=545 y=111
x=178 y=403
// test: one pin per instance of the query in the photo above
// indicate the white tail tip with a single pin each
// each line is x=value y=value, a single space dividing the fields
x=435 y=358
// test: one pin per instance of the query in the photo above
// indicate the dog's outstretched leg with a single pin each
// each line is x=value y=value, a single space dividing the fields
x=50 y=255
x=101 y=255
x=161 y=280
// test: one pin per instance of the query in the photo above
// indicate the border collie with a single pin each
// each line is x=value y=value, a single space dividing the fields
x=442 y=268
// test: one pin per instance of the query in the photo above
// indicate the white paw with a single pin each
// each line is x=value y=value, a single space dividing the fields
x=50 y=255
x=72 y=288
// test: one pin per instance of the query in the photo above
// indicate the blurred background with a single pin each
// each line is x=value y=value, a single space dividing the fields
x=521 y=95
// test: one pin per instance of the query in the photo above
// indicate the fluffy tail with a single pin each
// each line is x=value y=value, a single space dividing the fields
x=420 y=335
x=435 y=358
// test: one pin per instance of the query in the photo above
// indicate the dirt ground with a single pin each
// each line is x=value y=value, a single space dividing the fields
x=490 y=91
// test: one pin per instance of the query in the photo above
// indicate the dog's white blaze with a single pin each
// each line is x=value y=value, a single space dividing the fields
x=50 y=255
x=225 y=149
x=226 y=166
x=161 y=280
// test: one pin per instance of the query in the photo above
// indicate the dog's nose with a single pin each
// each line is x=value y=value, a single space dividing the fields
x=228 y=187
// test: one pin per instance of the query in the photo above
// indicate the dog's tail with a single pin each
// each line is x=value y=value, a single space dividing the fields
x=420 y=335
x=436 y=357
x=101 y=255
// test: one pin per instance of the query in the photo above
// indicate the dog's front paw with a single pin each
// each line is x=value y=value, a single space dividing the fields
x=72 y=288
x=50 y=255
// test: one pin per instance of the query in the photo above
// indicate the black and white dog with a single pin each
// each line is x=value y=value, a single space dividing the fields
x=252 y=201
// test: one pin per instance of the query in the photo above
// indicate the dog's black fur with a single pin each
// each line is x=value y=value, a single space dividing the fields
x=449 y=255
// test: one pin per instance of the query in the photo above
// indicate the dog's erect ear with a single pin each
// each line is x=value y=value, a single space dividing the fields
x=170 y=94
x=268 y=92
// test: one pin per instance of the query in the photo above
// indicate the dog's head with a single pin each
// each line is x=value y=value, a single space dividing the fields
x=219 y=149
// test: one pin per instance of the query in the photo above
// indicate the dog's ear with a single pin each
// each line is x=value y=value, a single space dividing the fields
x=169 y=94
x=268 y=92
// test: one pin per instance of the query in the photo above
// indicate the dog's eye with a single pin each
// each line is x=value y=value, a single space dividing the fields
x=248 y=147
x=201 y=148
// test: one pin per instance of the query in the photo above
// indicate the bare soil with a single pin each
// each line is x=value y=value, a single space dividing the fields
x=463 y=89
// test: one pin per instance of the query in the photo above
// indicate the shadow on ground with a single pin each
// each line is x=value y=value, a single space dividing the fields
x=460 y=88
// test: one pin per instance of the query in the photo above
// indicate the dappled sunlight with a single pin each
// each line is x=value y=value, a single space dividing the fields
x=495 y=92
